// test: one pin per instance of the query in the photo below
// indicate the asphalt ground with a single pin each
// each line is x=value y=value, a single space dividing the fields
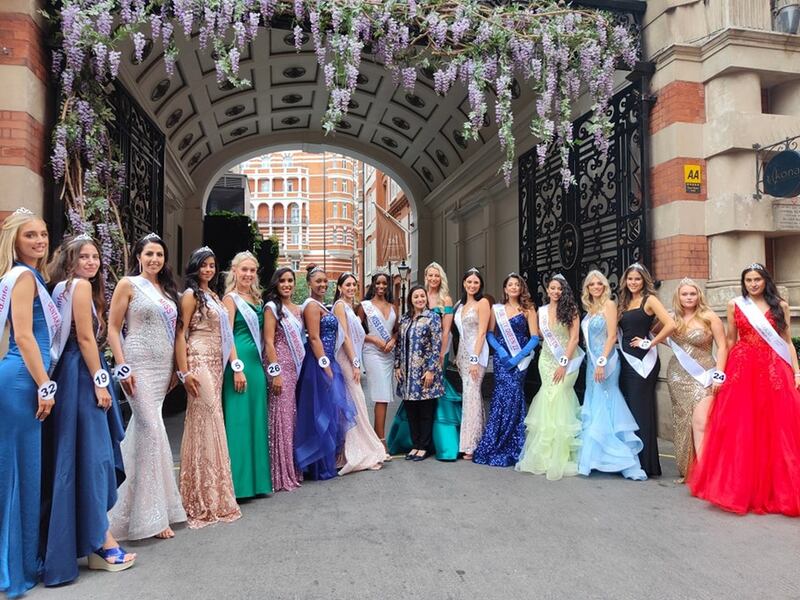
x=433 y=530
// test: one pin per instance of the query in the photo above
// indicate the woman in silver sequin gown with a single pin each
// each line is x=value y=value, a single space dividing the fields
x=149 y=500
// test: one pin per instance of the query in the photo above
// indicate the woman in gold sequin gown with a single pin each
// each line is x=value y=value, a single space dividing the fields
x=697 y=328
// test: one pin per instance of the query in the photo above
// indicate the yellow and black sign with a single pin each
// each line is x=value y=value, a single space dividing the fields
x=692 y=178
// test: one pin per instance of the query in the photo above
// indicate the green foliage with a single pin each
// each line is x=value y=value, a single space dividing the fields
x=301 y=289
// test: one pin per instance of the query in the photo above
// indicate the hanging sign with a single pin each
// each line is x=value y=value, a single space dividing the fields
x=782 y=174
x=692 y=178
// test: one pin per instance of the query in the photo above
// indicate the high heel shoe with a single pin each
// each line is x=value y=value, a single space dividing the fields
x=98 y=560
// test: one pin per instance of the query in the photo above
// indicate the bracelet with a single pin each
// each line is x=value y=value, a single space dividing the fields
x=563 y=361
x=718 y=376
x=602 y=361
x=182 y=376
x=645 y=344
x=101 y=378
x=123 y=371
x=47 y=391
x=273 y=369
x=356 y=363
x=324 y=362
x=237 y=366
x=473 y=359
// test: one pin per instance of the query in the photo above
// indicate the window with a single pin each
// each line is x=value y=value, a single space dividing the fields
x=344 y=210
x=344 y=185
x=290 y=185
x=344 y=163
x=294 y=213
x=287 y=160
x=335 y=210
x=335 y=184
x=265 y=161
x=295 y=265
x=263 y=186
x=295 y=237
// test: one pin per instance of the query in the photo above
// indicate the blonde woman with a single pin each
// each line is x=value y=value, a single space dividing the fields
x=691 y=371
x=608 y=439
x=244 y=388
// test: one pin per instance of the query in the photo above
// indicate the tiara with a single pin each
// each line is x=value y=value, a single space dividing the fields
x=559 y=276
x=152 y=236
x=349 y=274
x=636 y=266
x=23 y=211
x=755 y=266
x=315 y=270
x=687 y=281
x=513 y=274
x=203 y=249
x=84 y=237
x=473 y=270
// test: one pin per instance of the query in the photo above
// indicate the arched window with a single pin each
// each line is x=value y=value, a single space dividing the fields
x=294 y=214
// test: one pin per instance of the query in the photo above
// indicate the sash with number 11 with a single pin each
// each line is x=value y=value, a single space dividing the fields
x=554 y=345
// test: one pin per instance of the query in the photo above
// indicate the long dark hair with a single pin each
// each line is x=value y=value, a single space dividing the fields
x=567 y=308
x=340 y=282
x=625 y=296
x=525 y=300
x=272 y=294
x=62 y=268
x=165 y=278
x=371 y=289
x=771 y=295
x=192 y=279
x=409 y=305
x=479 y=293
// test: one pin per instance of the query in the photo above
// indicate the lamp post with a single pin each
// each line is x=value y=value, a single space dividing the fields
x=404 y=271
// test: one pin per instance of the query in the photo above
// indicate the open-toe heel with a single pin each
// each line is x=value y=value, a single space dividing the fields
x=98 y=560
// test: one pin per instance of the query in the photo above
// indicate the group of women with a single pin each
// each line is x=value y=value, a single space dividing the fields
x=275 y=390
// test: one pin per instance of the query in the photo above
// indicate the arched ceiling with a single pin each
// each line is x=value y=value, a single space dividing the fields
x=207 y=125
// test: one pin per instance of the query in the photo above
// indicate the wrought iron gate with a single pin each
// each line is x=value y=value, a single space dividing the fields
x=600 y=223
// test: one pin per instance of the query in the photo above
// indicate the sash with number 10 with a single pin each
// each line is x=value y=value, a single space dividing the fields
x=612 y=358
x=225 y=329
x=554 y=345
x=250 y=318
x=764 y=328
x=168 y=312
x=510 y=338
x=293 y=330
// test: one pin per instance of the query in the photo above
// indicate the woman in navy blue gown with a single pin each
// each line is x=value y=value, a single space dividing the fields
x=514 y=335
x=81 y=458
x=324 y=413
x=23 y=373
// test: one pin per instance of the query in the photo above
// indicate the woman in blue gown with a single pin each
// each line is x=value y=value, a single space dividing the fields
x=81 y=457
x=324 y=413
x=609 y=442
x=23 y=373
x=504 y=434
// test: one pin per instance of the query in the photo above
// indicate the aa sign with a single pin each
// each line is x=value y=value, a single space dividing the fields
x=692 y=178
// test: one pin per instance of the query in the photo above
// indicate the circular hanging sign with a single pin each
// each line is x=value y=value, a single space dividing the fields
x=782 y=175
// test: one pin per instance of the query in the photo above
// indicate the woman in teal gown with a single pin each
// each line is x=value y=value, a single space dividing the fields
x=447 y=419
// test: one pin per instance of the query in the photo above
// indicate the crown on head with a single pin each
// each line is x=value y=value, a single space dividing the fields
x=637 y=266
x=23 y=211
x=152 y=236
x=687 y=281
x=756 y=266
x=560 y=276
x=473 y=270
x=315 y=270
x=83 y=237
x=204 y=249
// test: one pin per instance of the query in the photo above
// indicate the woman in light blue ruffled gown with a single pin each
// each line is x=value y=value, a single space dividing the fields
x=609 y=442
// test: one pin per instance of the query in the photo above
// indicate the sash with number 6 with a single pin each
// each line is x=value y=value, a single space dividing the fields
x=763 y=327
x=554 y=345
x=51 y=315
x=690 y=365
x=612 y=359
x=376 y=320
x=294 y=332
x=250 y=318
x=168 y=312
x=483 y=357
x=225 y=329
x=63 y=299
x=512 y=343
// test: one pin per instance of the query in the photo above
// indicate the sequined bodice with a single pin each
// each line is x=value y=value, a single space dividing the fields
x=147 y=340
x=328 y=331
x=205 y=337
x=598 y=333
x=748 y=334
x=696 y=342
x=519 y=325
x=469 y=325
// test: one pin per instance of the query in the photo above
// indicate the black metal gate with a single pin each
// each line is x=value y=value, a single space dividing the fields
x=600 y=223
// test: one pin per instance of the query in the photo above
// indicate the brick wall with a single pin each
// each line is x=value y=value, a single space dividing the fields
x=21 y=44
x=678 y=102
x=680 y=256
x=22 y=141
x=667 y=183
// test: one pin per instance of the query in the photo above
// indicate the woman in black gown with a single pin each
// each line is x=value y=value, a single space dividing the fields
x=638 y=308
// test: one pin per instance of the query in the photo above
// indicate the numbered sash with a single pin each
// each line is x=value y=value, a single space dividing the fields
x=294 y=332
x=226 y=331
x=339 y=331
x=250 y=318
x=51 y=315
x=375 y=318
x=690 y=365
x=612 y=359
x=483 y=357
x=643 y=366
x=512 y=343
x=554 y=345
x=168 y=312
x=764 y=328
x=63 y=299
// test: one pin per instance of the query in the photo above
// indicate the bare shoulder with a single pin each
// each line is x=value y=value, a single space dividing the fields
x=448 y=301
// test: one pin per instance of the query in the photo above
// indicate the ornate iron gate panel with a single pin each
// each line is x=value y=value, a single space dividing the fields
x=141 y=145
x=601 y=222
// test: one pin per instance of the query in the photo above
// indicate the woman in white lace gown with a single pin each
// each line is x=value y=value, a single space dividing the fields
x=148 y=500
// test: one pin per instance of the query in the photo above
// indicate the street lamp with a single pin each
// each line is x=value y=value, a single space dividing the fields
x=404 y=271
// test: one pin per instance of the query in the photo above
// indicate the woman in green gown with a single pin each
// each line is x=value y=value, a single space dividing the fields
x=244 y=388
x=447 y=419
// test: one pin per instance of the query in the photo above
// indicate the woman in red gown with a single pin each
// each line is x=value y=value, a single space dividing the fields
x=750 y=460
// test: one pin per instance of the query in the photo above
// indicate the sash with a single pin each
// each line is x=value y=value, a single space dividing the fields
x=226 y=331
x=690 y=365
x=763 y=327
x=483 y=357
x=512 y=343
x=376 y=320
x=294 y=332
x=554 y=345
x=51 y=315
x=339 y=330
x=612 y=359
x=169 y=313
x=63 y=299
x=642 y=366
x=250 y=318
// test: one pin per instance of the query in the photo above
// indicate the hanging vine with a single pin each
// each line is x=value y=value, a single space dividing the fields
x=554 y=50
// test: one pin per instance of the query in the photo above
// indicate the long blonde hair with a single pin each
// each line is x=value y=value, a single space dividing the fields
x=230 y=276
x=702 y=313
x=8 y=242
x=591 y=305
x=444 y=288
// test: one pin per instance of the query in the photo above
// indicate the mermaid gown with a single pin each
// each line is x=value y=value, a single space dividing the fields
x=20 y=462
x=81 y=467
x=504 y=435
x=472 y=415
x=608 y=439
x=324 y=412
x=553 y=423
x=446 y=419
